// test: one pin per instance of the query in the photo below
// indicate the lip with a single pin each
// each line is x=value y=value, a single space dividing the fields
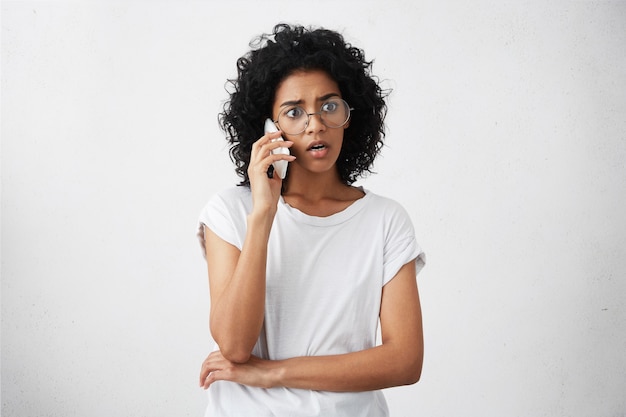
x=318 y=149
x=313 y=145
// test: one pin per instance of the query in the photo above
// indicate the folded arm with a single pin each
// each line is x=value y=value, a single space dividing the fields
x=397 y=361
x=237 y=288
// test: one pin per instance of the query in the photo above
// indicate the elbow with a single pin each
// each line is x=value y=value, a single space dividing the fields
x=411 y=372
x=413 y=376
x=414 y=361
x=234 y=352
x=232 y=349
x=236 y=355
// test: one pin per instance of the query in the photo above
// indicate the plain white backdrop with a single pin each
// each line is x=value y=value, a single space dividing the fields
x=506 y=143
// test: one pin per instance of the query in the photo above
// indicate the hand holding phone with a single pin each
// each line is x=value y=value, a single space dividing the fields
x=280 y=167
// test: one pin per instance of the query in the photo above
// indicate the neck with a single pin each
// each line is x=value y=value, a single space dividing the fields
x=314 y=186
x=319 y=194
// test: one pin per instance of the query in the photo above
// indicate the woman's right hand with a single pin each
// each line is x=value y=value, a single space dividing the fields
x=265 y=190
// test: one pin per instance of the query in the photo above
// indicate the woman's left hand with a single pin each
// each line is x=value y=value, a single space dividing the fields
x=255 y=372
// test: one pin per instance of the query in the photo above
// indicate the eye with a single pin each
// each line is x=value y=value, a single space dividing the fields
x=294 y=113
x=330 y=107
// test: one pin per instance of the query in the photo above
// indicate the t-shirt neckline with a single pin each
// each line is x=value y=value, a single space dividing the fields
x=333 y=219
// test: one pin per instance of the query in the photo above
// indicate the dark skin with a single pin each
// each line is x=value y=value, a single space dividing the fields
x=237 y=278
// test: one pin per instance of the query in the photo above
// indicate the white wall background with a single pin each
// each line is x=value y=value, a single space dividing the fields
x=507 y=144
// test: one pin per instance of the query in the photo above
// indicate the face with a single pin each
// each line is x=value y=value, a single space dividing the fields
x=318 y=147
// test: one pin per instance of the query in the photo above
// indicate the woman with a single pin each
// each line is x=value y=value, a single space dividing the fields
x=302 y=269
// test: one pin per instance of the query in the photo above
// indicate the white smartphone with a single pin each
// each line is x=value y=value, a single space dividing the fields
x=280 y=167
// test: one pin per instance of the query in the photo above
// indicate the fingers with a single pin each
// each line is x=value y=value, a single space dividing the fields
x=210 y=366
x=210 y=378
x=262 y=157
x=264 y=141
x=214 y=368
x=267 y=143
x=217 y=368
x=268 y=137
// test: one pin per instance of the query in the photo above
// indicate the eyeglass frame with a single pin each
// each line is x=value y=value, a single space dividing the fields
x=308 y=117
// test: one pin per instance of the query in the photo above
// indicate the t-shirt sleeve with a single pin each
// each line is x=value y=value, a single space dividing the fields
x=219 y=216
x=400 y=245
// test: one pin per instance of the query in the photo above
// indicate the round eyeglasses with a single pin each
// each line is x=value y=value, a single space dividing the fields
x=334 y=113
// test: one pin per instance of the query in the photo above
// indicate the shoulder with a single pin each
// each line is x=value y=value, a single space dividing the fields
x=385 y=206
x=235 y=194
x=381 y=200
x=225 y=214
x=230 y=203
x=230 y=198
x=389 y=214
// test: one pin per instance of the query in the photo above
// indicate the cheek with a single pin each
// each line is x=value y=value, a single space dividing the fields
x=298 y=148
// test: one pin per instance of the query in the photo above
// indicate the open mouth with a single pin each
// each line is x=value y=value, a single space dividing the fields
x=317 y=147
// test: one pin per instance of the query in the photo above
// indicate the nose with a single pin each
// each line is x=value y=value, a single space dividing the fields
x=315 y=124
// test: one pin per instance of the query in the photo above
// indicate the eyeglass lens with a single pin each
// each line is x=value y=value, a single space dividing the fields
x=333 y=113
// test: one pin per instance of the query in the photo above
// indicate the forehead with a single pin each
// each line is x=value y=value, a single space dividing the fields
x=305 y=85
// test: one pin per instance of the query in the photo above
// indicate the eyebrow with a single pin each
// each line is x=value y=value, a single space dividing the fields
x=298 y=102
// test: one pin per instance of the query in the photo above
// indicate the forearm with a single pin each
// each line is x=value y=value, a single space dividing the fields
x=237 y=313
x=376 y=368
x=398 y=361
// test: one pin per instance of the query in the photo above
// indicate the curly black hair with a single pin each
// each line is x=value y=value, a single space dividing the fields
x=277 y=55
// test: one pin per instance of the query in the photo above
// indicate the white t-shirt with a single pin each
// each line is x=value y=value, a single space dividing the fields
x=324 y=284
